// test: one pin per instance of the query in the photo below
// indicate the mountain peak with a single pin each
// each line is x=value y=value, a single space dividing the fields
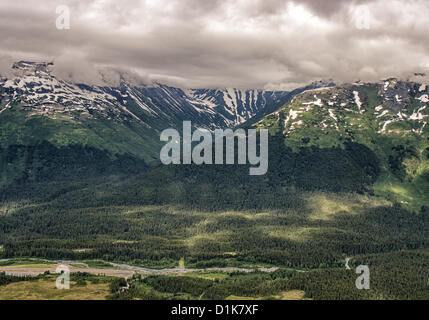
x=123 y=96
x=331 y=116
x=32 y=68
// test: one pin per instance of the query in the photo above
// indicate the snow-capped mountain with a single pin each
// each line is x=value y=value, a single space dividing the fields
x=38 y=106
x=158 y=106
x=390 y=107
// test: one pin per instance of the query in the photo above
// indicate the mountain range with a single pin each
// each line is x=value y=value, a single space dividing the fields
x=348 y=176
x=155 y=105
x=119 y=126
x=389 y=119
x=78 y=113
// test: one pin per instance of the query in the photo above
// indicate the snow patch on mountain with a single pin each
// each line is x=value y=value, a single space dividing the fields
x=38 y=90
x=357 y=100
x=424 y=98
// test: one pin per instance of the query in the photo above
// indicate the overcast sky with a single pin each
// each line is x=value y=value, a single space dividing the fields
x=272 y=44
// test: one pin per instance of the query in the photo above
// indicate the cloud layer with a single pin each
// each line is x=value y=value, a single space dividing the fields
x=221 y=43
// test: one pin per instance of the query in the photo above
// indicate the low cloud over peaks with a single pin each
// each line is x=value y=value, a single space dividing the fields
x=222 y=43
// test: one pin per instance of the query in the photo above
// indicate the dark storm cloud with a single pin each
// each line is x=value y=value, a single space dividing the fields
x=330 y=7
x=245 y=43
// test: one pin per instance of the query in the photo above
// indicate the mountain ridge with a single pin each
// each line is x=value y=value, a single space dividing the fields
x=389 y=118
x=156 y=105
x=37 y=106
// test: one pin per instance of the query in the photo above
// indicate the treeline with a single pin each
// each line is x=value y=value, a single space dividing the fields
x=161 y=236
x=21 y=164
x=186 y=287
x=400 y=275
x=7 y=279
x=352 y=168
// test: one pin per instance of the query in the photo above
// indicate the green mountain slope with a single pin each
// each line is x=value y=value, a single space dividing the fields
x=337 y=186
x=38 y=148
x=18 y=126
x=387 y=118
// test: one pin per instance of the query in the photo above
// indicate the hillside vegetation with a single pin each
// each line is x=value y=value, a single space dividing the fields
x=347 y=177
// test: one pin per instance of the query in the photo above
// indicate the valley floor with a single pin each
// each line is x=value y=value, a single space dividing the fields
x=171 y=245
